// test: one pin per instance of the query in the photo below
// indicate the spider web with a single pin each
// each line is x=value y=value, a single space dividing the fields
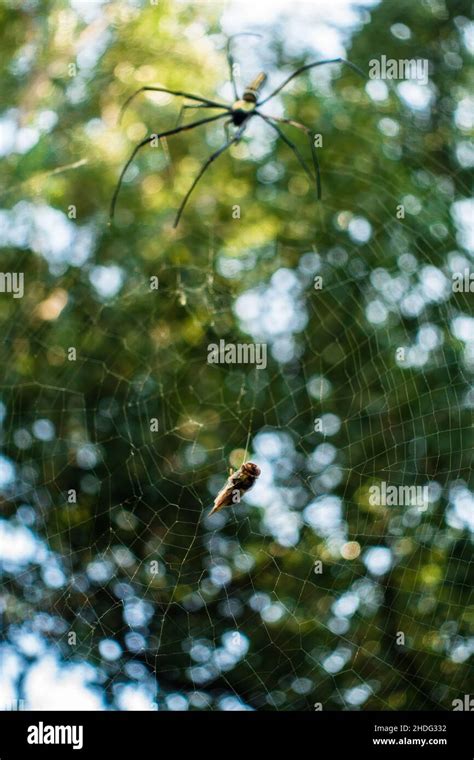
x=230 y=566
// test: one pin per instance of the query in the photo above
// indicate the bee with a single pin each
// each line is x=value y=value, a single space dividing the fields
x=237 y=484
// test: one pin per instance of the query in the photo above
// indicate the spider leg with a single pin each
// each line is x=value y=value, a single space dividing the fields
x=147 y=140
x=205 y=165
x=269 y=120
x=314 y=155
x=170 y=92
x=190 y=105
x=230 y=59
x=310 y=66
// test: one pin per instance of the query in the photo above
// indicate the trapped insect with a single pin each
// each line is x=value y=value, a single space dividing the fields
x=237 y=484
x=238 y=115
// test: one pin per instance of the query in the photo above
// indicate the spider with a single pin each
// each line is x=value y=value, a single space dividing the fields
x=238 y=114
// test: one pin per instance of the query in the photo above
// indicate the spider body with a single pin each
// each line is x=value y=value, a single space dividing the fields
x=241 y=110
x=238 y=115
x=244 y=107
x=251 y=92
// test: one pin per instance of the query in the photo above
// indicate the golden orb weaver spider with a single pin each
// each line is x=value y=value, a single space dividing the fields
x=239 y=114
